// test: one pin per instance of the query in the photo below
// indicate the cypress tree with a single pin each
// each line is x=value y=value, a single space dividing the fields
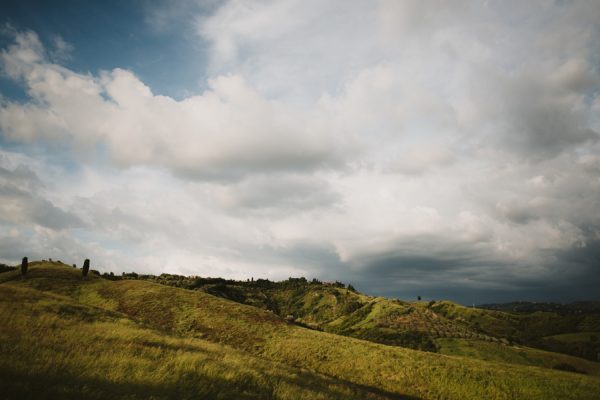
x=24 y=266
x=86 y=268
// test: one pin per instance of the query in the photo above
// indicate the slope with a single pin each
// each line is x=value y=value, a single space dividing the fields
x=382 y=369
x=440 y=326
x=53 y=347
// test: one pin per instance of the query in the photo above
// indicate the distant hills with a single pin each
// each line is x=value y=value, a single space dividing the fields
x=167 y=336
x=578 y=307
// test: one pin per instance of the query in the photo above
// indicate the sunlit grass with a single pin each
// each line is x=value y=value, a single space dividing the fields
x=54 y=348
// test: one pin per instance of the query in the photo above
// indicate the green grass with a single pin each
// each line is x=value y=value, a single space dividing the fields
x=576 y=337
x=245 y=349
x=499 y=352
x=523 y=327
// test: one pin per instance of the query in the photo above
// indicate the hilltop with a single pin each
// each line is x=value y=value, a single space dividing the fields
x=97 y=338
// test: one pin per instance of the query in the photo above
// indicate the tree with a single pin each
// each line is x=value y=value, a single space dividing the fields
x=419 y=298
x=86 y=268
x=24 y=266
x=351 y=288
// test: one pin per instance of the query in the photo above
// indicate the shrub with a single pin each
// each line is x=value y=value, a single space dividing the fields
x=24 y=266
x=5 y=268
x=86 y=268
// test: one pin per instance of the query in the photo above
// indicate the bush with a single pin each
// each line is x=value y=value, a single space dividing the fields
x=86 y=268
x=24 y=266
x=6 y=268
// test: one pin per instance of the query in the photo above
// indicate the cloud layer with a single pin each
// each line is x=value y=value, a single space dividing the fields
x=407 y=147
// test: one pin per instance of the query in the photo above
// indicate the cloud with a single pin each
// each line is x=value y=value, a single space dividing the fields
x=279 y=194
x=61 y=51
x=224 y=133
x=21 y=202
x=411 y=148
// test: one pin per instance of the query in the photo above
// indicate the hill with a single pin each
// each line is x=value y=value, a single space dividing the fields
x=100 y=338
x=333 y=307
x=535 y=328
x=578 y=307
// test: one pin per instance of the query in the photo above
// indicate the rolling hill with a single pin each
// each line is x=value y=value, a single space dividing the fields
x=97 y=338
x=332 y=307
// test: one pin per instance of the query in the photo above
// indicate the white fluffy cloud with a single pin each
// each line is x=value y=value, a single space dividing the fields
x=226 y=132
x=400 y=145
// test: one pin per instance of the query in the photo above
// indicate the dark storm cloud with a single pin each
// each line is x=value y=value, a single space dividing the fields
x=468 y=276
x=581 y=265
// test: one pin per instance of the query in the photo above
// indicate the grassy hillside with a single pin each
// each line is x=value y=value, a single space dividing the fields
x=419 y=325
x=332 y=307
x=541 y=329
x=159 y=334
x=576 y=337
x=528 y=307
x=55 y=348
x=500 y=352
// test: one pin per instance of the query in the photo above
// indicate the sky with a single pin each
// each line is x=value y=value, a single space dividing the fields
x=449 y=150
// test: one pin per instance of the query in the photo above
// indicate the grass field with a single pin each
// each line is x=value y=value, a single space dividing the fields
x=500 y=352
x=576 y=337
x=136 y=339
